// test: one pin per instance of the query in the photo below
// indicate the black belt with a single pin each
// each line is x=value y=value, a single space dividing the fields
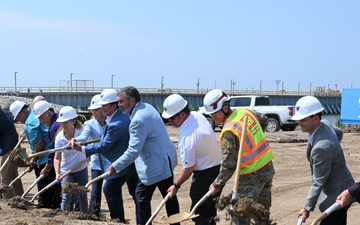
x=217 y=167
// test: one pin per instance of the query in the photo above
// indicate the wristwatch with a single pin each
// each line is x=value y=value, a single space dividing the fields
x=177 y=186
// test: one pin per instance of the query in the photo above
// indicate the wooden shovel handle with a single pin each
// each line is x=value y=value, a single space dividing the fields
x=102 y=176
x=158 y=209
x=201 y=201
x=31 y=186
x=59 y=149
x=238 y=164
x=329 y=210
x=18 y=177
x=90 y=142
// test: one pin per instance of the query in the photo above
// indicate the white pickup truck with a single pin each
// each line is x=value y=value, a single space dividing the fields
x=279 y=117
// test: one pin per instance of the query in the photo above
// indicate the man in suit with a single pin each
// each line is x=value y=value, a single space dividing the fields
x=330 y=175
x=152 y=151
x=113 y=144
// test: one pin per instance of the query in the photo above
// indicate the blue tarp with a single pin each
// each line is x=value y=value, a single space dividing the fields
x=350 y=106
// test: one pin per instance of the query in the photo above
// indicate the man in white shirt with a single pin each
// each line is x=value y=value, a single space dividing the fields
x=200 y=155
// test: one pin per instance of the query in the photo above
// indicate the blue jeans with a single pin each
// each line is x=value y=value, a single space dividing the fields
x=80 y=177
x=95 y=199
x=113 y=195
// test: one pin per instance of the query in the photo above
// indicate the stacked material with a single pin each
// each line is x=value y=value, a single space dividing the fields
x=6 y=100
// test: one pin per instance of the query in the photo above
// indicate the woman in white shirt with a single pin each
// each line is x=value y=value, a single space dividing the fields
x=68 y=159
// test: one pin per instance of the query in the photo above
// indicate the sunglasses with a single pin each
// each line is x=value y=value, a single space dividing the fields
x=174 y=116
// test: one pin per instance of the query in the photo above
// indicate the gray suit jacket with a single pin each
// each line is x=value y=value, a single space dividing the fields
x=330 y=175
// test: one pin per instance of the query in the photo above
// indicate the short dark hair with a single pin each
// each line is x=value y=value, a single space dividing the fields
x=130 y=92
x=186 y=110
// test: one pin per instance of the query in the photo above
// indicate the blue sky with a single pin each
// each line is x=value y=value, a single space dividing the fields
x=184 y=42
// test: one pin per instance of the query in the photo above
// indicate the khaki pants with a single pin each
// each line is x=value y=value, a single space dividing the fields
x=9 y=173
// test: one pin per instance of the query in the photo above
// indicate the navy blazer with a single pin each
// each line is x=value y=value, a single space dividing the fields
x=113 y=144
x=8 y=134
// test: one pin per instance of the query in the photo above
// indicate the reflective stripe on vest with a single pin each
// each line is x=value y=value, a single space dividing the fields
x=257 y=152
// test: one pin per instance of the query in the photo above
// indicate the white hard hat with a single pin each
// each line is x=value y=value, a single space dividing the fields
x=172 y=105
x=214 y=100
x=108 y=96
x=40 y=107
x=15 y=108
x=307 y=106
x=94 y=104
x=66 y=113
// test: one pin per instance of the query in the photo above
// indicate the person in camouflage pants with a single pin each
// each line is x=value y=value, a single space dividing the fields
x=257 y=169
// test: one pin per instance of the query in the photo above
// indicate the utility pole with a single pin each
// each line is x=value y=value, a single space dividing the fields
x=198 y=85
x=15 y=82
x=260 y=86
x=277 y=86
x=232 y=86
x=162 y=84
x=71 y=75
x=112 y=81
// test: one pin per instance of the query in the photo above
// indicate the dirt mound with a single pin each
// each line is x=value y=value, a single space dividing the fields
x=20 y=203
x=351 y=128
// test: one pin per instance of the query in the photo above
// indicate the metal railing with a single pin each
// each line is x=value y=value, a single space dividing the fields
x=66 y=89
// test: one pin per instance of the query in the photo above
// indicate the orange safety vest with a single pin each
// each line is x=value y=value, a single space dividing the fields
x=257 y=152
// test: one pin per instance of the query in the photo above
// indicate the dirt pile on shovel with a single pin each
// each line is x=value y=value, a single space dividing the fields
x=15 y=157
x=20 y=203
x=244 y=206
x=73 y=188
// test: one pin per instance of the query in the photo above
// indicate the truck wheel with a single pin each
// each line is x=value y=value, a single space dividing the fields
x=211 y=122
x=288 y=128
x=272 y=125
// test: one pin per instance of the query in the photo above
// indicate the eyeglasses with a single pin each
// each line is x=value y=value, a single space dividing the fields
x=174 y=116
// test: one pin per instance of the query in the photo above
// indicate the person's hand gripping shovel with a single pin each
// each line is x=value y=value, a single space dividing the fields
x=238 y=167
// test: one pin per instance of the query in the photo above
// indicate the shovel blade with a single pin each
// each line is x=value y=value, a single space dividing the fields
x=179 y=217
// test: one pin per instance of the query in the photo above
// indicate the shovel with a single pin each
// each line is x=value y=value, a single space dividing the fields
x=31 y=186
x=102 y=176
x=179 y=217
x=26 y=157
x=8 y=158
x=329 y=210
x=18 y=177
x=238 y=165
x=158 y=209
x=299 y=222
x=56 y=180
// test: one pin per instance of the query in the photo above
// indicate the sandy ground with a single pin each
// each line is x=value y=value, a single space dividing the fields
x=290 y=188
